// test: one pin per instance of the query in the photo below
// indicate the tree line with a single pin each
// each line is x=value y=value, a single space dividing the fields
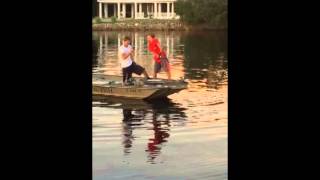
x=211 y=12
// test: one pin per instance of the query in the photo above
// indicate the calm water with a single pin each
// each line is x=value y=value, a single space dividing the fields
x=183 y=137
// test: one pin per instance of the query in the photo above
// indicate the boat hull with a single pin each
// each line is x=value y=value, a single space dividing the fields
x=154 y=89
x=133 y=92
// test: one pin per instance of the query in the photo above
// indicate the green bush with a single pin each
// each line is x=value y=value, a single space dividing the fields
x=113 y=19
x=97 y=20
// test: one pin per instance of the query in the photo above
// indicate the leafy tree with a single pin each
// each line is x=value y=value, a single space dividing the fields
x=211 y=12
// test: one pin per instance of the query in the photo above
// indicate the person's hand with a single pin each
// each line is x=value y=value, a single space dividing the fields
x=131 y=51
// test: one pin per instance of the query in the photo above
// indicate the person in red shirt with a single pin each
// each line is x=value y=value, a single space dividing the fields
x=159 y=56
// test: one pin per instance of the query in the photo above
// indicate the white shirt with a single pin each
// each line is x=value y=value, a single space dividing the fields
x=127 y=62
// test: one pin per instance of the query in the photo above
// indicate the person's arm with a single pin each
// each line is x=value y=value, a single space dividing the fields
x=126 y=55
x=132 y=54
x=158 y=46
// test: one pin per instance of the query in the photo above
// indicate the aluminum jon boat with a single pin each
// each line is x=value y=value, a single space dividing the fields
x=111 y=86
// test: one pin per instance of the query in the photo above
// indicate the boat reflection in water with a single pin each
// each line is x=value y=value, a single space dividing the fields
x=156 y=115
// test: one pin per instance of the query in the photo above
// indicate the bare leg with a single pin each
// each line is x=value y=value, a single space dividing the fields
x=155 y=75
x=168 y=70
x=169 y=74
x=145 y=74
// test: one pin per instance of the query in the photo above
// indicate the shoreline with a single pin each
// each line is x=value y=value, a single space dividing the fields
x=146 y=25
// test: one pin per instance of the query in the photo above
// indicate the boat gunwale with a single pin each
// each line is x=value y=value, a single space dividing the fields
x=141 y=87
x=157 y=94
x=135 y=87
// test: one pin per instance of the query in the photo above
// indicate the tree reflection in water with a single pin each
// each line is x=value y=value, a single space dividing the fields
x=217 y=73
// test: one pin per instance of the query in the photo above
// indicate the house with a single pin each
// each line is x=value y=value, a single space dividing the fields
x=137 y=9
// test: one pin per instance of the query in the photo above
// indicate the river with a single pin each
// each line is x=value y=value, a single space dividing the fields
x=184 y=137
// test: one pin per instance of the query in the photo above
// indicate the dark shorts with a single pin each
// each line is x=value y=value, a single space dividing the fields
x=133 y=68
x=164 y=65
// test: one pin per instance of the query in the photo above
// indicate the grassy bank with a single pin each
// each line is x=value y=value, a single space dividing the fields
x=145 y=24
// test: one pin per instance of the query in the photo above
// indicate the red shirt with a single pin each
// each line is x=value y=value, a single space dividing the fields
x=155 y=49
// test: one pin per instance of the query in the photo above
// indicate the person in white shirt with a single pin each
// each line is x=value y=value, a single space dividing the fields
x=128 y=65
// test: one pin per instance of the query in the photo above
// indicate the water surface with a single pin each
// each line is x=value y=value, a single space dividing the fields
x=183 y=137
